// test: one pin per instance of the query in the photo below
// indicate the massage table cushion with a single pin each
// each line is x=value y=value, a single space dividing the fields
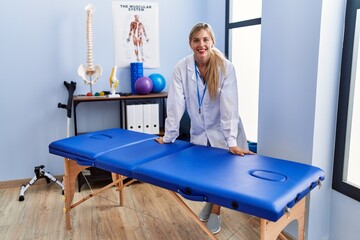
x=254 y=184
x=86 y=147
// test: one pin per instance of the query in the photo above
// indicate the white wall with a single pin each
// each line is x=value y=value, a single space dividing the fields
x=42 y=45
x=329 y=65
x=345 y=211
x=345 y=214
x=215 y=16
x=300 y=65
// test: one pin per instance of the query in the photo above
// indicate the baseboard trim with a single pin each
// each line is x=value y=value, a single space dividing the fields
x=18 y=183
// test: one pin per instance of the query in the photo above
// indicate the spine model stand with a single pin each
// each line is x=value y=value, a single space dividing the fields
x=90 y=73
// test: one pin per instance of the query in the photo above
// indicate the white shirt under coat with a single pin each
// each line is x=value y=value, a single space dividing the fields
x=221 y=126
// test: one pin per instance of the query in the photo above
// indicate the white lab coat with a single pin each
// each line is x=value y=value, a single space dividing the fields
x=219 y=121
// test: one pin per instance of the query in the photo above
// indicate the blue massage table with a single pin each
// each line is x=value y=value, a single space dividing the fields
x=261 y=186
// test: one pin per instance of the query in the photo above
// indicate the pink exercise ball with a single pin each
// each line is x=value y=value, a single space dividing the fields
x=143 y=85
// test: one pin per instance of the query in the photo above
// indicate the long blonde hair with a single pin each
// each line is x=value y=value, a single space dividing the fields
x=216 y=59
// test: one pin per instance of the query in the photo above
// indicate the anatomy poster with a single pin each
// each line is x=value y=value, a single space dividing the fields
x=136 y=33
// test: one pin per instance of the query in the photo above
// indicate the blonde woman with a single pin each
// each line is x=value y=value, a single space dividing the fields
x=204 y=83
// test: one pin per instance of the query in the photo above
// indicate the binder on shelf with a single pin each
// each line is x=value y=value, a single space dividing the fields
x=147 y=112
x=139 y=119
x=130 y=117
x=155 y=128
x=143 y=118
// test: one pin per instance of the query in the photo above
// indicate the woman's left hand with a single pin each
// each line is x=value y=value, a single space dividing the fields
x=239 y=151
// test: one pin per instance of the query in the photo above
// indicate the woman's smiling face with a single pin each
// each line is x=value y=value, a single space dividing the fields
x=201 y=43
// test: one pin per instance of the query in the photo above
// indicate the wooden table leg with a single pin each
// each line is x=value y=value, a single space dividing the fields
x=193 y=215
x=270 y=230
x=72 y=169
x=119 y=187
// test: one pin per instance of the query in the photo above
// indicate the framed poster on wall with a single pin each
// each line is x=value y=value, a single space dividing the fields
x=136 y=33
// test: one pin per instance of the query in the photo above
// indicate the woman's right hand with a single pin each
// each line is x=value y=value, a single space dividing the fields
x=238 y=151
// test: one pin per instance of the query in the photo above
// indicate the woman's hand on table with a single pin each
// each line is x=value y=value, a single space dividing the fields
x=160 y=140
x=239 y=151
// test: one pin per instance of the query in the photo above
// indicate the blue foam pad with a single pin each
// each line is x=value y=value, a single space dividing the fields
x=124 y=160
x=257 y=185
x=86 y=147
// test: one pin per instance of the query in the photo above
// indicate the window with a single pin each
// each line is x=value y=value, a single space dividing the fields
x=346 y=177
x=243 y=31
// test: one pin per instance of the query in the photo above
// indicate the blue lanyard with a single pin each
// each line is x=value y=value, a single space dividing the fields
x=200 y=101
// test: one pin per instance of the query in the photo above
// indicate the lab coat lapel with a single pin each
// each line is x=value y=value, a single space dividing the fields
x=191 y=68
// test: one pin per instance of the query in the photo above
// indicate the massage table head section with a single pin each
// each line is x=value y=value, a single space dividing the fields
x=124 y=160
x=86 y=147
x=261 y=186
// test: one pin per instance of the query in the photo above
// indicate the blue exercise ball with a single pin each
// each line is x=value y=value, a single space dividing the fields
x=158 y=81
x=143 y=85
